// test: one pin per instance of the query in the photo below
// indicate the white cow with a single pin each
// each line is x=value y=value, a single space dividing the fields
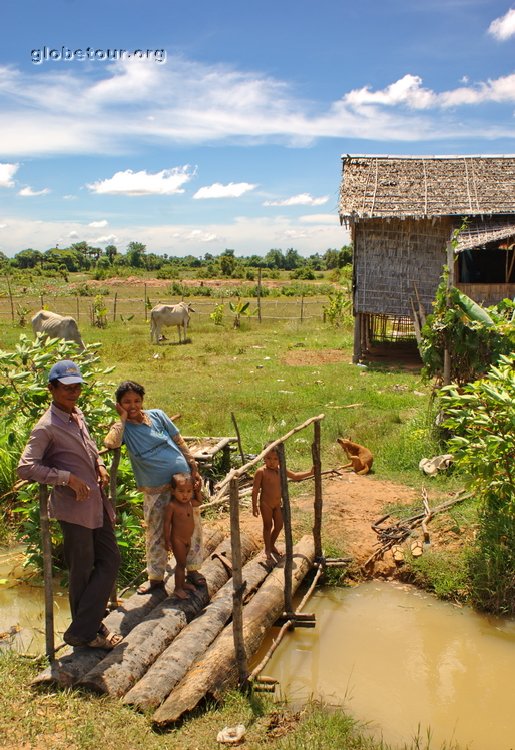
x=170 y=315
x=57 y=326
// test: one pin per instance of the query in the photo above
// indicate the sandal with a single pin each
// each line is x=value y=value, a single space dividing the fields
x=398 y=554
x=196 y=578
x=416 y=548
x=107 y=641
x=149 y=586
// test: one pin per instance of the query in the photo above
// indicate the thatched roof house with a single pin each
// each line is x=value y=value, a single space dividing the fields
x=402 y=212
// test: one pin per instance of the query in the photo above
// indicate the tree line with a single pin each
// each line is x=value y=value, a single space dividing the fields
x=80 y=256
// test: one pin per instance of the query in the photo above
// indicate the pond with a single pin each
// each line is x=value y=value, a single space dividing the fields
x=405 y=663
x=391 y=655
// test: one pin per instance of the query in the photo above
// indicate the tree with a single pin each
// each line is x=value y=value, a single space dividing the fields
x=274 y=259
x=292 y=260
x=135 y=254
x=111 y=251
x=28 y=258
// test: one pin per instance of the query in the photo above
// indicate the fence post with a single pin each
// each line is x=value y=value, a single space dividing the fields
x=258 y=294
x=46 y=545
x=114 y=305
x=288 y=562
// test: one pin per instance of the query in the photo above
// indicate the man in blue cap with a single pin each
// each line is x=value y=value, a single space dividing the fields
x=61 y=453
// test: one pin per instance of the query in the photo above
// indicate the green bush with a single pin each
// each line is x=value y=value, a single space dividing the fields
x=481 y=417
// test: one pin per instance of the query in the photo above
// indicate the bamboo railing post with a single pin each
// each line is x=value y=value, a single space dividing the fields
x=288 y=562
x=238 y=586
x=113 y=492
x=317 y=525
x=238 y=438
x=46 y=545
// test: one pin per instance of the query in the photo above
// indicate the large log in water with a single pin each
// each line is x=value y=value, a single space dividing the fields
x=128 y=662
x=193 y=641
x=217 y=670
x=74 y=663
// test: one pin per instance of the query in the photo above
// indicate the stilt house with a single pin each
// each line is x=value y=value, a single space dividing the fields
x=402 y=212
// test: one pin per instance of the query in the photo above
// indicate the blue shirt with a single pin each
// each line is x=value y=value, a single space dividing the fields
x=153 y=454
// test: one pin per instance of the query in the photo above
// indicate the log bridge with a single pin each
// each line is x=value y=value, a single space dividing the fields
x=176 y=652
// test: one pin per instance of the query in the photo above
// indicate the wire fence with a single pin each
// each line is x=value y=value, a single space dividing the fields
x=17 y=307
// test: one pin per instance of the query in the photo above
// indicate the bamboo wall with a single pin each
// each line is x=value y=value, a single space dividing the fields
x=393 y=256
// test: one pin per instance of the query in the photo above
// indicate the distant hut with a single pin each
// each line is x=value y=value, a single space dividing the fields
x=402 y=212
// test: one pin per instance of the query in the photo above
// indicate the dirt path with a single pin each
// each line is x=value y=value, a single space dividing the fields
x=351 y=504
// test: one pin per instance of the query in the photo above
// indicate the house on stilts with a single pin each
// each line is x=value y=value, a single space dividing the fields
x=402 y=212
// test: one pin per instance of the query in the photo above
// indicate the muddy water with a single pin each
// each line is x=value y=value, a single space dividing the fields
x=405 y=663
x=22 y=607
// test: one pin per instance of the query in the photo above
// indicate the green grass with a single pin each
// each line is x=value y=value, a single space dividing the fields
x=73 y=720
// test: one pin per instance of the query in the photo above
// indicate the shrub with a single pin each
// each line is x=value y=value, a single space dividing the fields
x=482 y=419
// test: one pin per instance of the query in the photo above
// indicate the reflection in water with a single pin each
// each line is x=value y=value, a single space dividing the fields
x=401 y=660
x=22 y=607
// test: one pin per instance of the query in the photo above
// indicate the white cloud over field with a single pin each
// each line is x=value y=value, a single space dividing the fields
x=187 y=102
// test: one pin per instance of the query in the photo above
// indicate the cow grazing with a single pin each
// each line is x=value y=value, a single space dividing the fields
x=57 y=326
x=170 y=315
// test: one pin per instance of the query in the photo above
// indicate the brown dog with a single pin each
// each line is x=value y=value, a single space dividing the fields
x=360 y=458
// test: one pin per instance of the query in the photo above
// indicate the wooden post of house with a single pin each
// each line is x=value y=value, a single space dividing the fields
x=317 y=526
x=46 y=546
x=357 y=338
x=238 y=585
x=288 y=561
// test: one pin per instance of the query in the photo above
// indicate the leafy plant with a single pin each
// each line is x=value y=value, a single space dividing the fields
x=482 y=418
x=99 y=312
x=338 y=309
x=238 y=309
x=217 y=316
x=475 y=337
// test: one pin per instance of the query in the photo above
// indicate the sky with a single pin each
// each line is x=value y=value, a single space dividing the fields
x=198 y=126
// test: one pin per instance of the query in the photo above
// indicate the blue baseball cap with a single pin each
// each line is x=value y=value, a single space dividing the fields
x=66 y=372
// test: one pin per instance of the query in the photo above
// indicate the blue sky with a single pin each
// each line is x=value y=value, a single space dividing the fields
x=229 y=134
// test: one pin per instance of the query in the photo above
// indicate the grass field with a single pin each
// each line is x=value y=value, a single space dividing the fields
x=272 y=376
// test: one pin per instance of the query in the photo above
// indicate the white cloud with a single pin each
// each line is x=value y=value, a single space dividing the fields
x=331 y=219
x=107 y=239
x=7 y=172
x=231 y=190
x=186 y=102
x=28 y=192
x=246 y=234
x=504 y=27
x=302 y=199
x=98 y=224
x=3 y=226
x=165 y=182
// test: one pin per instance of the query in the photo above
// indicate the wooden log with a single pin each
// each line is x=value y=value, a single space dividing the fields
x=128 y=662
x=74 y=663
x=217 y=670
x=193 y=641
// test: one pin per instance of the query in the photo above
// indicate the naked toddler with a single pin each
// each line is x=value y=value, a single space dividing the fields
x=267 y=490
x=178 y=528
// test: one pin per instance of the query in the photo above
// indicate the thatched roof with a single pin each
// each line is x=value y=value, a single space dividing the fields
x=426 y=186
x=478 y=233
